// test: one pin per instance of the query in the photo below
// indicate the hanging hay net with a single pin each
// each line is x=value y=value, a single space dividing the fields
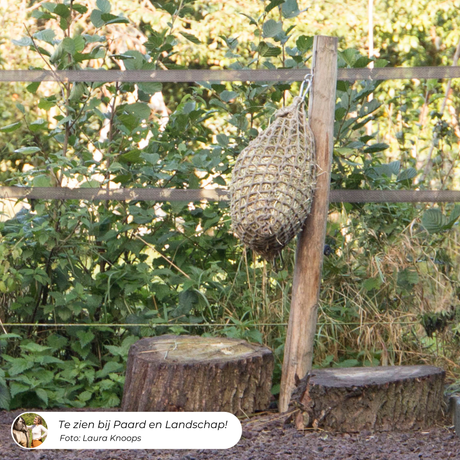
x=273 y=183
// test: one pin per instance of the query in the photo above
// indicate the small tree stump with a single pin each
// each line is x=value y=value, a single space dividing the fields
x=181 y=373
x=370 y=398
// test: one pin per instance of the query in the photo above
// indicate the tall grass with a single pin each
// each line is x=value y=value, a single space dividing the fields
x=386 y=299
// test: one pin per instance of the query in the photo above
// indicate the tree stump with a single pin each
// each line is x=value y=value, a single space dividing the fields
x=370 y=398
x=182 y=373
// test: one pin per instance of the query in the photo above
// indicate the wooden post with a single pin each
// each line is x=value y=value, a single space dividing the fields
x=298 y=353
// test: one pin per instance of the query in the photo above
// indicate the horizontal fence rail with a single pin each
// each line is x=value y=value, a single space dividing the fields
x=394 y=196
x=189 y=195
x=120 y=194
x=189 y=76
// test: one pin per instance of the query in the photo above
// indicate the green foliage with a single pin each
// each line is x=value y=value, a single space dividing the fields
x=434 y=221
x=29 y=419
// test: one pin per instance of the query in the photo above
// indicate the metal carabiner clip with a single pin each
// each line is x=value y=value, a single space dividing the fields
x=304 y=90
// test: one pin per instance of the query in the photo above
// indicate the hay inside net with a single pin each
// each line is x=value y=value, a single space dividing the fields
x=273 y=183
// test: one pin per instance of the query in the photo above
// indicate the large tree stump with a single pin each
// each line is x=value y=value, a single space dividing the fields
x=370 y=398
x=181 y=373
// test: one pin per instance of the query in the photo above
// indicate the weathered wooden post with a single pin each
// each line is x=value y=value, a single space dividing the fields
x=298 y=353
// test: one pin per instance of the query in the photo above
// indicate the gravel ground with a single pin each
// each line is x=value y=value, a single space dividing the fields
x=266 y=437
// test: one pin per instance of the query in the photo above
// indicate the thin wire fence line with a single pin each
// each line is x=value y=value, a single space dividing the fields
x=155 y=325
x=211 y=75
x=190 y=195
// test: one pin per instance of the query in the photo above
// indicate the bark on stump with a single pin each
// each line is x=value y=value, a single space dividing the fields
x=181 y=373
x=370 y=398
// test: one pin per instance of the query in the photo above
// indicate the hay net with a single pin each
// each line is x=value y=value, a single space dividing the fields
x=273 y=182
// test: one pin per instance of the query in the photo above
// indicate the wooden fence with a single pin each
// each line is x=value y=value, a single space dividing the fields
x=309 y=256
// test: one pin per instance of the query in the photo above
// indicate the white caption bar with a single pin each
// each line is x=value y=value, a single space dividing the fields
x=140 y=430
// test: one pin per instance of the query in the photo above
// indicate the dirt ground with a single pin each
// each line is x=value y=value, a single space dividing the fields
x=266 y=437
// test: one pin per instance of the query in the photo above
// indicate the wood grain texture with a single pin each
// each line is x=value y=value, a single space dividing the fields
x=298 y=353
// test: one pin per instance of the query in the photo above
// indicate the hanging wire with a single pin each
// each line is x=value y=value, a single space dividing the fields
x=306 y=85
x=155 y=325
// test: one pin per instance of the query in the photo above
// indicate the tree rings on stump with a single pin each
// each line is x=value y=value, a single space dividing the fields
x=182 y=373
x=370 y=398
